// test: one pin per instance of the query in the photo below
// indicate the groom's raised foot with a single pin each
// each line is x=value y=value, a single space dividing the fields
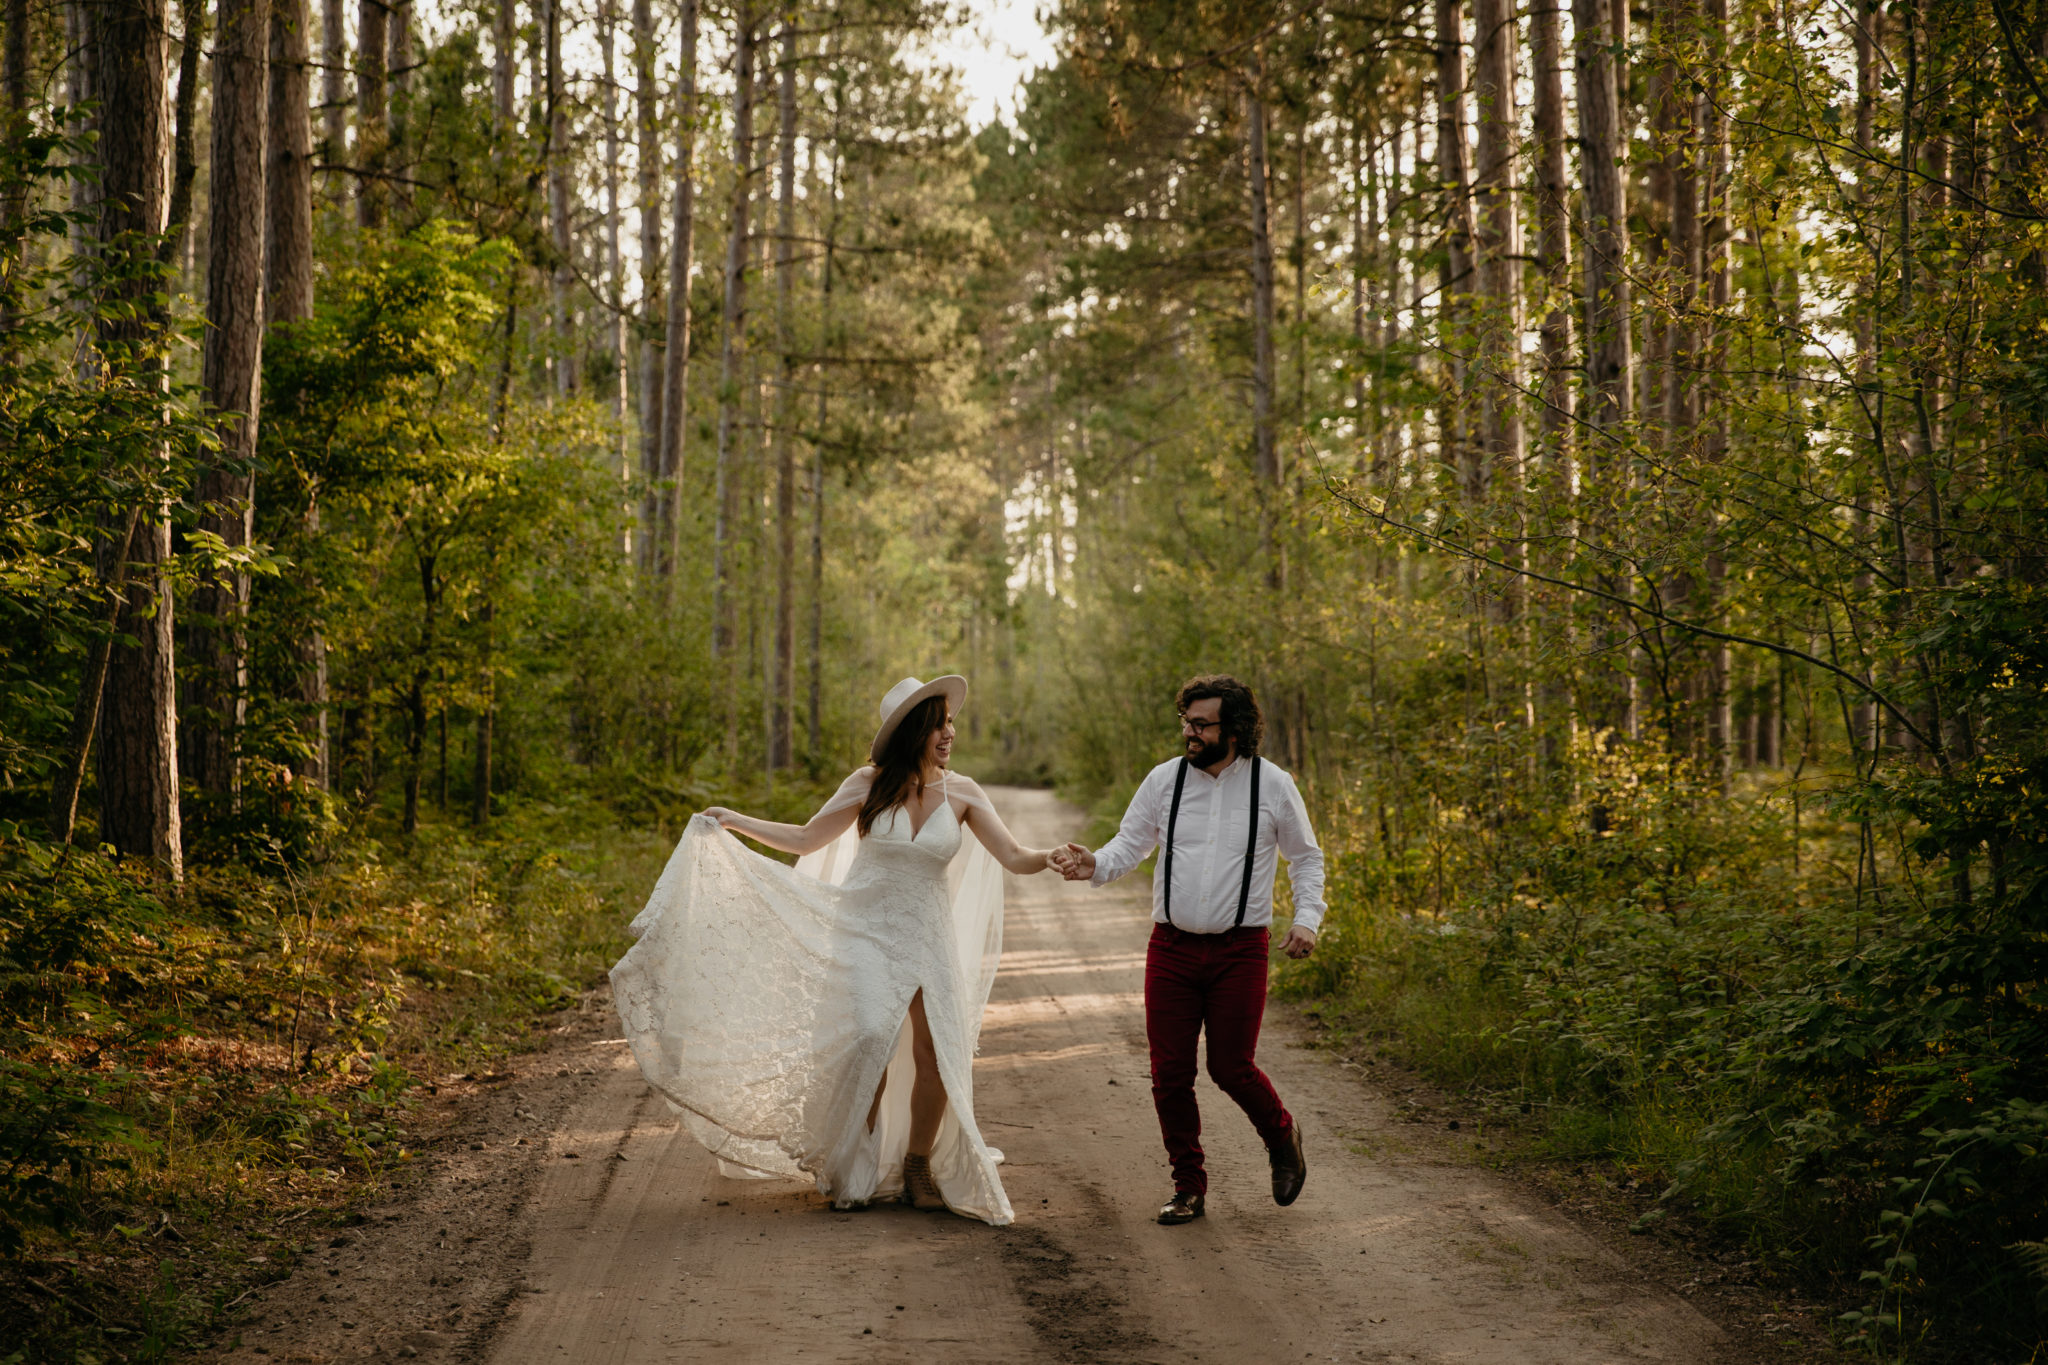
x=1290 y=1166
x=1182 y=1208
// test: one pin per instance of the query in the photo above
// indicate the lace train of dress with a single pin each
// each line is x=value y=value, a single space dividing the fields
x=766 y=1002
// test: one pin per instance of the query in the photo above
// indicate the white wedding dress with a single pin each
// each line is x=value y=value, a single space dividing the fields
x=767 y=1002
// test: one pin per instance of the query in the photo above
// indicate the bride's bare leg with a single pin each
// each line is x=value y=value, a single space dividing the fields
x=927 y=1091
x=875 y=1109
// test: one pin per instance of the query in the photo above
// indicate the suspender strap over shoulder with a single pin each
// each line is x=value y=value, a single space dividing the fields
x=1180 y=781
x=1251 y=842
x=1251 y=846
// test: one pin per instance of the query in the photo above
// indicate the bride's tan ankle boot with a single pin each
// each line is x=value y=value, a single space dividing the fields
x=920 y=1190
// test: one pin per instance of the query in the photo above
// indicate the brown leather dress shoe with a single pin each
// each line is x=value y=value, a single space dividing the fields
x=920 y=1189
x=1290 y=1167
x=1182 y=1208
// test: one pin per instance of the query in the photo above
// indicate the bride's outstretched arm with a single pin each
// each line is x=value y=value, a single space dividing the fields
x=995 y=836
x=828 y=824
x=820 y=830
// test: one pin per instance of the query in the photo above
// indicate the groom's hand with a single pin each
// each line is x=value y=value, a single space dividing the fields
x=1074 y=862
x=1299 y=942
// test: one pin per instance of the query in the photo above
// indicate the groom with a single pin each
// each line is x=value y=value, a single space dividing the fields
x=1219 y=813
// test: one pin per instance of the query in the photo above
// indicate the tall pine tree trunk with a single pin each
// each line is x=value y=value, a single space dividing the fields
x=1454 y=175
x=1553 y=240
x=653 y=320
x=782 y=719
x=732 y=341
x=504 y=65
x=334 y=85
x=1265 y=447
x=1610 y=351
x=562 y=277
x=373 y=20
x=675 y=384
x=230 y=374
x=138 y=738
x=398 y=65
x=1499 y=236
x=614 y=264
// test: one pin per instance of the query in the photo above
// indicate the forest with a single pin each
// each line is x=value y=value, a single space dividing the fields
x=442 y=447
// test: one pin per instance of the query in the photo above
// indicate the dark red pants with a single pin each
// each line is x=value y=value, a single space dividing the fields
x=1215 y=982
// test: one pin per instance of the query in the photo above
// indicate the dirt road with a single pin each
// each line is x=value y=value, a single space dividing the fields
x=622 y=1245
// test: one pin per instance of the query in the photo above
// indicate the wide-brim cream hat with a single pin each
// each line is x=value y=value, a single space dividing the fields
x=901 y=699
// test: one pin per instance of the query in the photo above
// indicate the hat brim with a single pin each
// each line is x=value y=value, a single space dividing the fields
x=952 y=687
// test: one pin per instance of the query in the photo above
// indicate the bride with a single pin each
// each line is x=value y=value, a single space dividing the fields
x=822 y=1020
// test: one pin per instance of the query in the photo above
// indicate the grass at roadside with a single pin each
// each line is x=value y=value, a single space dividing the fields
x=190 y=1078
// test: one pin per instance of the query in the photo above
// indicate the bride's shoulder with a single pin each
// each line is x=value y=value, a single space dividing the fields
x=966 y=787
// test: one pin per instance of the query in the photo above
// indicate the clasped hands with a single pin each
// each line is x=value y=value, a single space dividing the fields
x=1072 y=861
x=1077 y=864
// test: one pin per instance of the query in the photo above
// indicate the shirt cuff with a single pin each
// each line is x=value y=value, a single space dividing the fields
x=1103 y=874
x=1309 y=918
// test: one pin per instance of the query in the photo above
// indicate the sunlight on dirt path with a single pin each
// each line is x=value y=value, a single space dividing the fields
x=640 y=1252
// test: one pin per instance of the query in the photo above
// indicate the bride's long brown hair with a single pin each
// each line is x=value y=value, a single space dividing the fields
x=899 y=768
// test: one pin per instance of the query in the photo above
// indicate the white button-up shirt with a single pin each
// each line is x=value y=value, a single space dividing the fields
x=1208 y=846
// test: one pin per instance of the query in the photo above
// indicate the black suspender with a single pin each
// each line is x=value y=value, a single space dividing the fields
x=1251 y=842
x=1251 y=846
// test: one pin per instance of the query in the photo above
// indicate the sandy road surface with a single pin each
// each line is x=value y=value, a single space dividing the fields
x=653 y=1257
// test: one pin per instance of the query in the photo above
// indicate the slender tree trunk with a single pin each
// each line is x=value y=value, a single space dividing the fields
x=372 y=131
x=1499 y=237
x=14 y=109
x=781 y=725
x=1610 y=352
x=85 y=713
x=399 y=64
x=675 y=384
x=138 y=739
x=653 y=320
x=1553 y=246
x=288 y=191
x=1266 y=465
x=732 y=341
x=825 y=335
x=562 y=277
x=231 y=374
x=334 y=82
x=185 y=134
x=288 y=297
x=1680 y=24
x=1455 y=280
x=614 y=265
x=504 y=65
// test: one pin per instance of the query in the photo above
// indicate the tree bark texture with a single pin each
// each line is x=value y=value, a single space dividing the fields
x=373 y=18
x=1265 y=446
x=614 y=264
x=138 y=741
x=562 y=276
x=504 y=64
x=288 y=193
x=1609 y=344
x=782 y=718
x=732 y=341
x=1553 y=239
x=231 y=375
x=1499 y=239
x=334 y=81
x=674 y=353
x=398 y=67
x=185 y=132
x=1454 y=280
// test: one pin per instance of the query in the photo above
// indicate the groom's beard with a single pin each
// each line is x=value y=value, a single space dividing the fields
x=1215 y=751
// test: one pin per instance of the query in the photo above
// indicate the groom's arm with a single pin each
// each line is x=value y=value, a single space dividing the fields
x=1135 y=838
x=1297 y=843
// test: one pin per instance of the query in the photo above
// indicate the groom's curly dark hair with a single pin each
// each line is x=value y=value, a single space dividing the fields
x=1242 y=719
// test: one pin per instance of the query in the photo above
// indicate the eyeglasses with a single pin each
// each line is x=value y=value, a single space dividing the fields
x=1198 y=726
